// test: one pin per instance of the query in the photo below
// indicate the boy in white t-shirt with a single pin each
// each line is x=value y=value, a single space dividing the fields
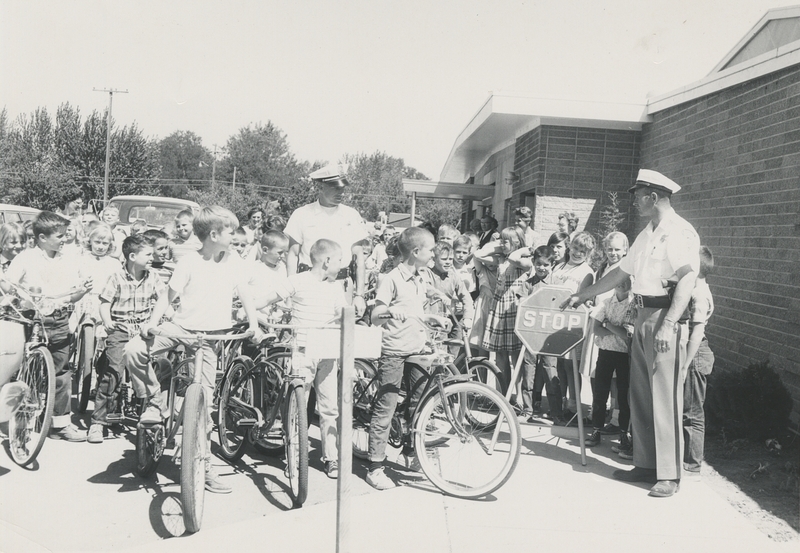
x=205 y=280
x=317 y=299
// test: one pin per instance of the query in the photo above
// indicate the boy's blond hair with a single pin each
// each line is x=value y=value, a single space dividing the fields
x=412 y=238
x=322 y=249
x=213 y=218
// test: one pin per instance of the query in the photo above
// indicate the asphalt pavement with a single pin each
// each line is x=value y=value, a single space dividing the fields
x=85 y=497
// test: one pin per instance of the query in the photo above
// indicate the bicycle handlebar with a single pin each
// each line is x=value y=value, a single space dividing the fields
x=200 y=336
x=283 y=326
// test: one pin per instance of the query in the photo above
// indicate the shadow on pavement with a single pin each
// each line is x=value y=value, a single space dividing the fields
x=274 y=490
x=166 y=514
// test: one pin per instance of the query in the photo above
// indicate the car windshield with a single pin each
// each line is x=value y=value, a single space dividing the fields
x=155 y=216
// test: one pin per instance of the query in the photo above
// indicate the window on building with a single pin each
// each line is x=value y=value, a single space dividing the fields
x=773 y=35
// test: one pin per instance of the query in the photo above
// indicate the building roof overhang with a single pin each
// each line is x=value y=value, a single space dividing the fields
x=505 y=117
x=447 y=190
x=724 y=76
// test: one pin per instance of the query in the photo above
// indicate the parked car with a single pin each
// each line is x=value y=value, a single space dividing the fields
x=17 y=213
x=156 y=211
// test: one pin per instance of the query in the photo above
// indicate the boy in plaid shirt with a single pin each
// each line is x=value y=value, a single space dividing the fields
x=126 y=301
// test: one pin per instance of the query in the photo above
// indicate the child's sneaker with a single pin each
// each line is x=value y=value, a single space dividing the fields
x=377 y=479
x=625 y=447
x=151 y=415
x=213 y=482
x=95 y=434
x=332 y=469
x=610 y=429
x=594 y=439
x=69 y=433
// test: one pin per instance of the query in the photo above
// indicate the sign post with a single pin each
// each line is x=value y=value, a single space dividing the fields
x=545 y=329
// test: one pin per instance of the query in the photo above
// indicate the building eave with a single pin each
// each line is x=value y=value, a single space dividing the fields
x=505 y=117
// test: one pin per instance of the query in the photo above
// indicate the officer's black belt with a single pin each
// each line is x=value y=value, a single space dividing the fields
x=654 y=302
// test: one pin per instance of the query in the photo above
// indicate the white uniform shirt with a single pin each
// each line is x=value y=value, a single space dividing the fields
x=657 y=253
x=342 y=224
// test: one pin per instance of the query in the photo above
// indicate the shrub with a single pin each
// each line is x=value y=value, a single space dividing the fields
x=748 y=403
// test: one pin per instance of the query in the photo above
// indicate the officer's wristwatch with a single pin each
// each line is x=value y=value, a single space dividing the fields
x=673 y=324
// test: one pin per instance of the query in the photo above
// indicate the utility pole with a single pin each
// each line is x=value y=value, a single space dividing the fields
x=214 y=169
x=233 y=187
x=111 y=92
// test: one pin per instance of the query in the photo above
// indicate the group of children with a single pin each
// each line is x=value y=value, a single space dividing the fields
x=189 y=281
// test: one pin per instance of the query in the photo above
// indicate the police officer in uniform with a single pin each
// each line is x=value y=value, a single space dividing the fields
x=329 y=218
x=664 y=262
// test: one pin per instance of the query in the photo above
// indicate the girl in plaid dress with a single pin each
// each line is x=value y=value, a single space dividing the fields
x=499 y=333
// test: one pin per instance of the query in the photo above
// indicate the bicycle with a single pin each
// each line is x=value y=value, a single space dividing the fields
x=264 y=403
x=485 y=371
x=465 y=434
x=27 y=361
x=192 y=416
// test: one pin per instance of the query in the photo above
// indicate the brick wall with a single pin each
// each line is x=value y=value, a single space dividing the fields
x=737 y=155
x=573 y=169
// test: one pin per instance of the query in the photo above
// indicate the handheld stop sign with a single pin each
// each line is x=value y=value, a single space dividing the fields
x=544 y=328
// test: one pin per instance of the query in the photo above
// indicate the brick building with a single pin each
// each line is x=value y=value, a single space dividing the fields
x=731 y=140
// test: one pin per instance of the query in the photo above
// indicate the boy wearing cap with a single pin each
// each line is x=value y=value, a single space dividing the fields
x=666 y=250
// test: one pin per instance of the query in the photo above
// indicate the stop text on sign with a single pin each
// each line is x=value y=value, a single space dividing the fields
x=547 y=320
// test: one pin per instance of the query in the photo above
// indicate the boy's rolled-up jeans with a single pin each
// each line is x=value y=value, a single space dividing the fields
x=323 y=374
x=144 y=379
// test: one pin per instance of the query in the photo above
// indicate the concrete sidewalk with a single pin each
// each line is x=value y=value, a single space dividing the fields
x=551 y=502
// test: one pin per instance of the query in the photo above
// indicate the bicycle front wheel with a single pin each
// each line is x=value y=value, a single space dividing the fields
x=456 y=443
x=85 y=366
x=193 y=457
x=296 y=435
x=30 y=421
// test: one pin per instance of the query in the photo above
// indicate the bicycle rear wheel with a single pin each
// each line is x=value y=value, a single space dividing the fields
x=296 y=434
x=85 y=366
x=365 y=387
x=193 y=457
x=237 y=409
x=30 y=421
x=454 y=446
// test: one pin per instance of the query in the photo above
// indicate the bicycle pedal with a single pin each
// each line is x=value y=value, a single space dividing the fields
x=246 y=422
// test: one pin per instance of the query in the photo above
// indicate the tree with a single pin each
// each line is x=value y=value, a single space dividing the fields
x=260 y=153
x=183 y=157
x=376 y=184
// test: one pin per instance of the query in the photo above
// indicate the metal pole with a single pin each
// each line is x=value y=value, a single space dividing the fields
x=111 y=92
x=347 y=366
x=413 y=208
x=233 y=187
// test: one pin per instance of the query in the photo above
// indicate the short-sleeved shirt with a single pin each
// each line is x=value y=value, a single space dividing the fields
x=451 y=285
x=342 y=224
x=404 y=289
x=206 y=287
x=181 y=248
x=532 y=238
x=56 y=276
x=616 y=312
x=701 y=305
x=314 y=302
x=657 y=253
x=132 y=300
x=571 y=276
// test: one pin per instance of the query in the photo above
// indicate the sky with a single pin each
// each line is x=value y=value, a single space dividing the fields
x=355 y=76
